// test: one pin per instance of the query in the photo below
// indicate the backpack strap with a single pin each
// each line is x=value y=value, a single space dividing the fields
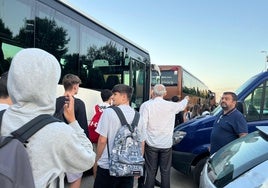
x=123 y=118
x=30 y=128
x=120 y=115
x=136 y=119
x=124 y=122
x=1 y=115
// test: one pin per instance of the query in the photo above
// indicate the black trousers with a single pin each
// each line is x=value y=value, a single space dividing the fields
x=104 y=180
x=155 y=157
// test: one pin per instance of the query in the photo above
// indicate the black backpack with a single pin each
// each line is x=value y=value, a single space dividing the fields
x=15 y=167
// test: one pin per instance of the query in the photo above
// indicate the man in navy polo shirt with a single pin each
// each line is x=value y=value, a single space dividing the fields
x=229 y=125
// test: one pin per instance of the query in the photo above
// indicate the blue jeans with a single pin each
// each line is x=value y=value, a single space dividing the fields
x=155 y=157
x=103 y=180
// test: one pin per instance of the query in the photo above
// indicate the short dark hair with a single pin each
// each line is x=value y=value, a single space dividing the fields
x=106 y=94
x=175 y=98
x=69 y=80
x=3 y=85
x=122 y=88
x=234 y=96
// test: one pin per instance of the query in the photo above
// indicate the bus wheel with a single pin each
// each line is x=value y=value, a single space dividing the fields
x=198 y=169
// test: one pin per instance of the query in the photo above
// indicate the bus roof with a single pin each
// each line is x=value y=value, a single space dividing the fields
x=86 y=15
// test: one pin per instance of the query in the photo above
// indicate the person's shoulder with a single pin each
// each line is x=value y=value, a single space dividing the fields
x=60 y=98
x=59 y=135
x=237 y=112
x=3 y=106
x=237 y=116
x=125 y=108
x=103 y=105
x=78 y=100
x=109 y=110
x=58 y=130
x=148 y=102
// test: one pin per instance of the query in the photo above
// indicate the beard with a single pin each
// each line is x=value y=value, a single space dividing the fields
x=224 y=106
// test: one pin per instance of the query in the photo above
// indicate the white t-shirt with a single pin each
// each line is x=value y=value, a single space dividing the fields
x=108 y=126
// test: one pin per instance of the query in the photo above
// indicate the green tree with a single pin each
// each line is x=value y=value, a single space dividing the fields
x=44 y=34
x=4 y=33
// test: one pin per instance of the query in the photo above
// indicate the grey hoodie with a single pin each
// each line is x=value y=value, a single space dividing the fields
x=58 y=147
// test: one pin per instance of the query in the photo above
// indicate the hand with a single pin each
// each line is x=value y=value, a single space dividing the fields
x=187 y=97
x=69 y=109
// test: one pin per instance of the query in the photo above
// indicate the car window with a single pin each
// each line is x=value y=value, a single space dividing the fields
x=237 y=157
x=265 y=108
x=256 y=104
x=253 y=104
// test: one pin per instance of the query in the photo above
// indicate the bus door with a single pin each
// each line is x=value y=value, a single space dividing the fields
x=137 y=80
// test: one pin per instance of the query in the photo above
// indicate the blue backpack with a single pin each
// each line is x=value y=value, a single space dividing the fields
x=15 y=167
x=126 y=155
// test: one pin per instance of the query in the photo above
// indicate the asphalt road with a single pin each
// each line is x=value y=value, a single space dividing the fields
x=178 y=180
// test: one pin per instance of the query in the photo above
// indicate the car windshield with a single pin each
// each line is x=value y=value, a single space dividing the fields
x=243 y=86
x=216 y=110
x=237 y=157
x=237 y=92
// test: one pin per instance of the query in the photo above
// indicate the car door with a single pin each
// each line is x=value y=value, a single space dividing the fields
x=256 y=107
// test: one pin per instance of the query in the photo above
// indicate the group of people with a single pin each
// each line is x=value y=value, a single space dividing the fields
x=190 y=112
x=155 y=134
x=63 y=148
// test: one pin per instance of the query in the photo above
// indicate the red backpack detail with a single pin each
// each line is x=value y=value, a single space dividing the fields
x=93 y=135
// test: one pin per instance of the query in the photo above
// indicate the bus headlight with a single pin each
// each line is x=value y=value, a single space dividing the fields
x=178 y=136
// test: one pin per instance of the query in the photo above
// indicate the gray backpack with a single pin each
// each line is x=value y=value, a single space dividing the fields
x=126 y=156
x=15 y=167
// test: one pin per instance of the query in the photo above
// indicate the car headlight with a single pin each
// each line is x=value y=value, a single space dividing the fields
x=178 y=136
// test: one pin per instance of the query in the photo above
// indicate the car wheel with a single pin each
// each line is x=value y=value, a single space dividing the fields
x=197 y=170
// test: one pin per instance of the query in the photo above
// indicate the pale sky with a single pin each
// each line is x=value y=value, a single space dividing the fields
x=218 y=41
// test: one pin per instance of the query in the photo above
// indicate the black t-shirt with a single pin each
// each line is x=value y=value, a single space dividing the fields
x=79 y=109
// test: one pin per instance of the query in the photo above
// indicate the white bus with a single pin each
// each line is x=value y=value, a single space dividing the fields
x=83 y=46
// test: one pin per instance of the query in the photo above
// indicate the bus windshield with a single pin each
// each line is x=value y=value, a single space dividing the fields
x=169 y=77
x=155 y=75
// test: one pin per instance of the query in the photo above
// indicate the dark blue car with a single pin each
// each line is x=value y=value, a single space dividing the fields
x=193 y=137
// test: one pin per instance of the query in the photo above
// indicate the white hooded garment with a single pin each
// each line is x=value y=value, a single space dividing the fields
x=57 y=148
